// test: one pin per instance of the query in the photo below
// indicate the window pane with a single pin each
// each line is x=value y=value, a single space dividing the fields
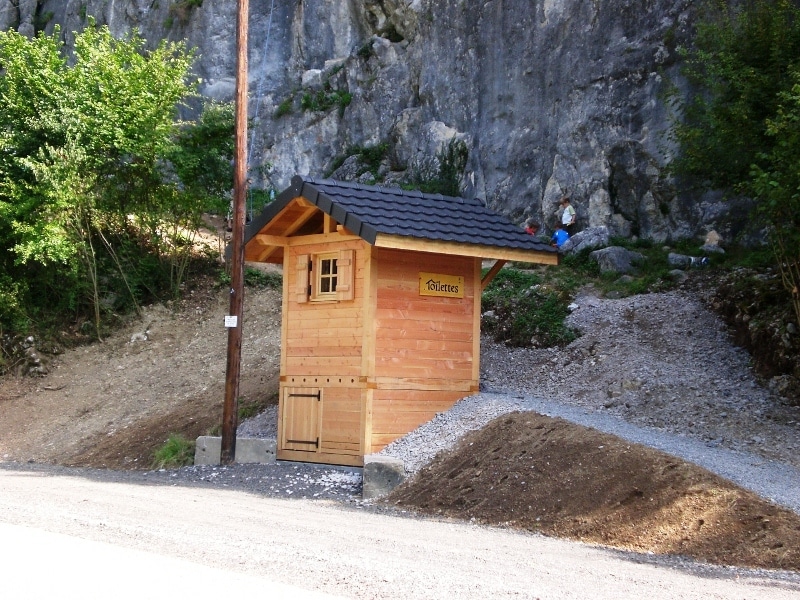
x=325 y=285
x=326 y=266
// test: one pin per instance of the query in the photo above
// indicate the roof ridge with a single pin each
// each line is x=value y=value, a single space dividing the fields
x=394 y=190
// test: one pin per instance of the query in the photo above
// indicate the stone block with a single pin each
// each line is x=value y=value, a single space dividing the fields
x=381 y=475
x=208 y=449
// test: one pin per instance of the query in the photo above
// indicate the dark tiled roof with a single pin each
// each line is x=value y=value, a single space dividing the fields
x=370 y=210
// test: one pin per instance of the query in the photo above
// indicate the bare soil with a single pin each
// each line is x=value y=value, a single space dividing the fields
x=112 y=404
x=549 y=476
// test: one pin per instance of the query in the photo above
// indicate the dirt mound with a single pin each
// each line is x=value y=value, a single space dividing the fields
x=552 y=477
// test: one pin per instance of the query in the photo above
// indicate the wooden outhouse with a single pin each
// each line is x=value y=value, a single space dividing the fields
x=381 y=309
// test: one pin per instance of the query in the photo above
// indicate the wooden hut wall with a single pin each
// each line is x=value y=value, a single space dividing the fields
x=322 y=353
x=322 y=338
x=427 y=348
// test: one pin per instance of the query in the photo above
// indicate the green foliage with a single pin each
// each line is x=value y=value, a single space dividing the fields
x=100 y=185
x=739 y=132
x=325 y=99
x=370 y=158
x=202 y=157
x=254 y=278
x=258 y=198
x=366 y=51
x=182 y=10
x=261 y=279
x=741 y=62
x=12 y=314
x=176 y=452
x=525 y=311
x=41 y=20
x=284 y=108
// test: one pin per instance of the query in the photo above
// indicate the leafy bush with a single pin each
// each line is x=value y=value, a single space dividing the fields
x=520 y=311
x=260 y=279
x=102 y=186
x=738 y=131
x=445 y=177
x=325 y=99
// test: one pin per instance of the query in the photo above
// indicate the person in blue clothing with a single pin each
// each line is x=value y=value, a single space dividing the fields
x=560 y=236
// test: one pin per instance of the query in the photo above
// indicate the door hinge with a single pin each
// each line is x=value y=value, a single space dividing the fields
x=318 y=395
x=315 y=442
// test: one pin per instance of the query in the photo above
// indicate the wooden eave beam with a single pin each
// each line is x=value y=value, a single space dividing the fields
x=487 y=279
x=457 y=249
x=300 y=220
x=268 y=243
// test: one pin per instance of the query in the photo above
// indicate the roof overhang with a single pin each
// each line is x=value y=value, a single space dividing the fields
x=453 y=248
x=303 y=214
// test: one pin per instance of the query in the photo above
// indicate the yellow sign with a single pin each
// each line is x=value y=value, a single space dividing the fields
x=435 y=284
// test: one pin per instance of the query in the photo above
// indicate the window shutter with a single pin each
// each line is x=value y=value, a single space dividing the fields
x=345 y=266
x=302 y=277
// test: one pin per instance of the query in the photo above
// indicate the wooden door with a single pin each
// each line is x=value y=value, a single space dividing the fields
x=301 y=409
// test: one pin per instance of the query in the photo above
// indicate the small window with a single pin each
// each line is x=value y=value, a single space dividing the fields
x=326 y=276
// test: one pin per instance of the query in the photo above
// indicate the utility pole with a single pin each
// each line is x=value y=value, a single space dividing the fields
x=233 y=322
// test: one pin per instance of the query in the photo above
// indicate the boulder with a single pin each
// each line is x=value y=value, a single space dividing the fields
x=616 y=259
x=593 y=237
x=713 y=238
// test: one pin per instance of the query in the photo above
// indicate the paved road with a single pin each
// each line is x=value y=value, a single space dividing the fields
x=70 y=536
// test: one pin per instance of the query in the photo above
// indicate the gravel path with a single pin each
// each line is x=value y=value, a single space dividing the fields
x=178 y=534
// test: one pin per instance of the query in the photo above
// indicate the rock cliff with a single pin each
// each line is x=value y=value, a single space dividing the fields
x=550 y=97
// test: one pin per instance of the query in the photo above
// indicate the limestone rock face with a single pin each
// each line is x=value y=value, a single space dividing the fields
x=552 y=97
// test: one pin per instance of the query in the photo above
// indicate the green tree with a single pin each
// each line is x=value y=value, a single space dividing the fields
x=776 y=184
x=203 y=153
x=85 y=149
x=738 y=132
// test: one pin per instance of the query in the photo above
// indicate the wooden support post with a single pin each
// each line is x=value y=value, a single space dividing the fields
x=230 y=407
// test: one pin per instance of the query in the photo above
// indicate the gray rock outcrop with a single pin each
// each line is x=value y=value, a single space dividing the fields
x=551 y=97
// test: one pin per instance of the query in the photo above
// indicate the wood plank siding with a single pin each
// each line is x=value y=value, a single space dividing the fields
x=425 y=357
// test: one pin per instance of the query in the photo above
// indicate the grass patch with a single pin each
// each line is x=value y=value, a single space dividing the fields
x=176 y=452
x=254 y=278
x=325 y=99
